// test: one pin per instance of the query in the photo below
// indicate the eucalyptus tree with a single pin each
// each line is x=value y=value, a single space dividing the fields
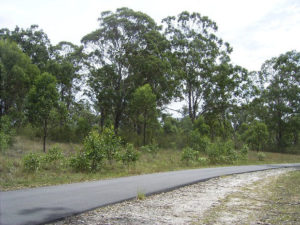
x=33 y=41
x=17 y=74
x=66 y=64
x=281 y=95
x=41 y=100
x=124 y=53
x=196 y=46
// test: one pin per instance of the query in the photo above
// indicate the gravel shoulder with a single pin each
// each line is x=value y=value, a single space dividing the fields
x=209 y=202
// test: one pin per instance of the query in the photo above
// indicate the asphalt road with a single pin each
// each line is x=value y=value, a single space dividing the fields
x=47 y=204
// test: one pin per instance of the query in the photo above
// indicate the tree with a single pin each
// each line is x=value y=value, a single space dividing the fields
x=65 y=65
x=125 y=53
x=196 y=47
x=33 y=41
x=16 y=77
x=143 y=105
x=42 y=98
x=281 y=95
x=256 y=135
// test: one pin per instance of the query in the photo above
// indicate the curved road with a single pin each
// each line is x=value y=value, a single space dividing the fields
x=46 y=204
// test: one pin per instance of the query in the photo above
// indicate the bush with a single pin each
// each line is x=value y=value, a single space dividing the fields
x=31 y=162
x=53 y=154
x=94 y=150
x=188 y=154
x=244 y=152
x=198 y=141
x=202 y=160
x=261 y=156
x=222 y=152
x=6 y=133
x=152 y=149
x=130 y=155
x=80 y=162
x=97 y=147
x=110 y=143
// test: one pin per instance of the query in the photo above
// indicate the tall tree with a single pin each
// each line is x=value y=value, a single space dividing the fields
x=16 y=77
x=33 y=41
x=143 y=106
x=196 y=47
x=42 y=98
x=122 y=53
x=281 y=95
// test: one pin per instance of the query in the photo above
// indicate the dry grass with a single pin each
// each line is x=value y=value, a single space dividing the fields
x=12 y=175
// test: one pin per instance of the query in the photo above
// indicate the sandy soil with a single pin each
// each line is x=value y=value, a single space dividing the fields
x=187 y=205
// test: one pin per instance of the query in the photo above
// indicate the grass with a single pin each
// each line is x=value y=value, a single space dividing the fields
x=12 y=175
x=275 y=200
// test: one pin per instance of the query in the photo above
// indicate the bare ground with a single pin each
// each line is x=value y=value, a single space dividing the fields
x=224 y=200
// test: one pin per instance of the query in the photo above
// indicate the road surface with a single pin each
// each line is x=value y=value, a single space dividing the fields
x=47 y=204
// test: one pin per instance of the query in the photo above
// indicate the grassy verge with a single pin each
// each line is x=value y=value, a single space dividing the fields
x=12 y=175
x=275 y=200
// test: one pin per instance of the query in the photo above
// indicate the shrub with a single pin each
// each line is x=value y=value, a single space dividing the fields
x=94 y=150
x=261 y=156
x=55 y=153
x=244 y=152
x=110 y=143
x=6 y=132
x=31 y=162
x=188 y=154
x=130 y=155
x=222 y=152
x=202 y=160
x=80 y=162
x=152 y=149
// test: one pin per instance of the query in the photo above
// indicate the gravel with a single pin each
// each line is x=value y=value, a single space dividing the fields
x=182 y=206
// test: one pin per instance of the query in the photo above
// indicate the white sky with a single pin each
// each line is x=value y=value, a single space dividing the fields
x=256 y=29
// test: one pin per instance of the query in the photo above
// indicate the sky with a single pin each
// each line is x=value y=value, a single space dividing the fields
x=256 y=29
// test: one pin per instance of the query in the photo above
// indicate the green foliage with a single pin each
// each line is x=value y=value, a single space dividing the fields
x=42 y=98
x=244 y=152
x=94 y=150
x=198 y=142
x=188 y=154
x=80 y=162
x=257 y=135
x=152 y=148
x=6 y=133
x=129 y=154
x=16 y=75
x=54 y=154
x=31 y=162
x=143 y=107
x=202 y=160
x=261 y=156
x=222 y=152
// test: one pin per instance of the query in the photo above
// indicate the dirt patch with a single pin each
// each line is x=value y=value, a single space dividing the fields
x=202 y=203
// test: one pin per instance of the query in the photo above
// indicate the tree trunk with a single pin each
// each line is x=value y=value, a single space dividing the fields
x=144 y=140
x=45 y=135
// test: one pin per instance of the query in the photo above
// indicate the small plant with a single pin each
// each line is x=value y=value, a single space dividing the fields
x=31 y=162
x=202 y=160
x=53 y=154
x=261 y=156
x=80 y=162
x=222 y=152
x=140 y=195
x=188 y=154
x=244 y=152
x=130 y=155
x=152 y=149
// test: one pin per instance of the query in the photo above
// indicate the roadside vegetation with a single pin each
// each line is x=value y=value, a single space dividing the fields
x=101 y=109
x=274 y=200
x=24 y=165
